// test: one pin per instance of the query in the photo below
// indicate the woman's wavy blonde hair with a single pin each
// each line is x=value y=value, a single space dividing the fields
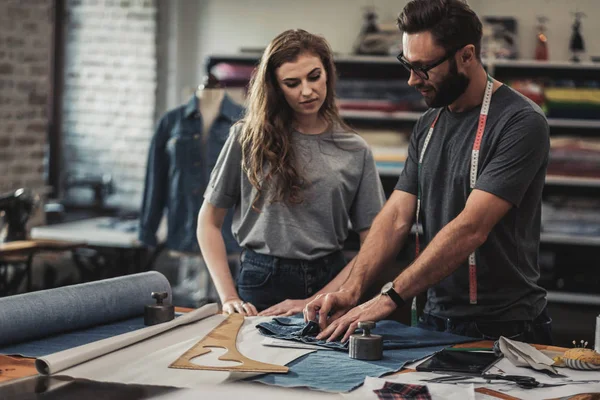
x=268 y=157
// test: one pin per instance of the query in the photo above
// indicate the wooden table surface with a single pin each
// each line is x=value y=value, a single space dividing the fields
x=25 y=247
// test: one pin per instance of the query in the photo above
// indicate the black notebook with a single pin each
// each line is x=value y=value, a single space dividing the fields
x=464 y=362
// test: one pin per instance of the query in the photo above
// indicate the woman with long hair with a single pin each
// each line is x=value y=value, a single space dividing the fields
x=298 y=179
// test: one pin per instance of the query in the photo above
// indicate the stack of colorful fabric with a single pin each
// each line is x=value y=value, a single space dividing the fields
x=575 y=102
x=529 y=88
x=384 y=95
x=574 y=156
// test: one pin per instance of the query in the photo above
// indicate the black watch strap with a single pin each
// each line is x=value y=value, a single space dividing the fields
x=388 y=289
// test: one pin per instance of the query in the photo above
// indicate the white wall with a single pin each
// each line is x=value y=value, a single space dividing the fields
x=224 y=26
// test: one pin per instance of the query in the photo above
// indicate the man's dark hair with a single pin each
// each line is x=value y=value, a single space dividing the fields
x=452 y=23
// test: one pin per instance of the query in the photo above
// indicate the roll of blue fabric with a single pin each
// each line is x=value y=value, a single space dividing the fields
x=40 y=314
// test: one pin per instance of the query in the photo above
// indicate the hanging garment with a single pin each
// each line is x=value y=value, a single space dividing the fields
x=179 y=165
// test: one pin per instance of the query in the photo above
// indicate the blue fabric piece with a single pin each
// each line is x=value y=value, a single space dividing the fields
x=335 y=371
x=177 y=173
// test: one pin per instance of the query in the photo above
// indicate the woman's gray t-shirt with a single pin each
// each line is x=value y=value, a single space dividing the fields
x=343 y=187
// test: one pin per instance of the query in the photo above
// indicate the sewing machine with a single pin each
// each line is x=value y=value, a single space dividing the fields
x=102 y=186
x=15 y=209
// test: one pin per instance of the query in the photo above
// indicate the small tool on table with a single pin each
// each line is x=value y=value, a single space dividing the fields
x=159 y=312
x=366 y=346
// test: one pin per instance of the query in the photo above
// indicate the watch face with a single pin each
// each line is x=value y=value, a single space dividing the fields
x=386 y=288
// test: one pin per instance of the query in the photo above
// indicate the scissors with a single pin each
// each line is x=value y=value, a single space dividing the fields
x=525 y=382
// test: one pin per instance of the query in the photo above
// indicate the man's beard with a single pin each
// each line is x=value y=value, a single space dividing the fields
x=450 y=89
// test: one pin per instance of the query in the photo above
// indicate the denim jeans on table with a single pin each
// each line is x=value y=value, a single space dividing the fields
x=266 y=280
x=538 y=331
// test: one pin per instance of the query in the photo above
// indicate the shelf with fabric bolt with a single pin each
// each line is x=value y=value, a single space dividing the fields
x=555 y=238
x=564 y=180
x=573 y=123
x=556 y=296
x=535 y=64
x=411 y=116
x=579 y=240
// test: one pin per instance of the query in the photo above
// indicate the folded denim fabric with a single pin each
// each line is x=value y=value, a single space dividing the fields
x=395 y=335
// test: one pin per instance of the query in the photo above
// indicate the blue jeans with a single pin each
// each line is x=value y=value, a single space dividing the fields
x=266 y=280
x=538 y=331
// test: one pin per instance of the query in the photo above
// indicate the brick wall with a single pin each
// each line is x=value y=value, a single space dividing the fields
x=25 y=60
x=110 y=92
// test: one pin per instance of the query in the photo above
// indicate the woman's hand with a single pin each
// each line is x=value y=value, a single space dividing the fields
x=239 y=306
x=285 y=308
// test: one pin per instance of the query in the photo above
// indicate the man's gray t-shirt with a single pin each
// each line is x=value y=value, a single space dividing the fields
x=342 y=186
x=512 y=166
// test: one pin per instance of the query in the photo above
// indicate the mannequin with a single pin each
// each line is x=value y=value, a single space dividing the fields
x=209 y=105
x=210 y=95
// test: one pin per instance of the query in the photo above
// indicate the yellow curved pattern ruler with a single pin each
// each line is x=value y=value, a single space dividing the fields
x=225 y=336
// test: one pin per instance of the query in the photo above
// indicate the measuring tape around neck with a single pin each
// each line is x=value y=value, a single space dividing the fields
x=487 y=98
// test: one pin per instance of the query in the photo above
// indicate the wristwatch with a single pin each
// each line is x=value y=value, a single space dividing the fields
x=388 y=290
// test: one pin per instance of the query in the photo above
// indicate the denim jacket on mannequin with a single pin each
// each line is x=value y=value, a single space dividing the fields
x=178 y=169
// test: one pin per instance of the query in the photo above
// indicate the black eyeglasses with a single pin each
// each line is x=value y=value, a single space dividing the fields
x=423 y=72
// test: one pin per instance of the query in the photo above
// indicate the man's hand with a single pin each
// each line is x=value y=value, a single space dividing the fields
x=373 y=310
x=285 y=308
x=336 y=302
